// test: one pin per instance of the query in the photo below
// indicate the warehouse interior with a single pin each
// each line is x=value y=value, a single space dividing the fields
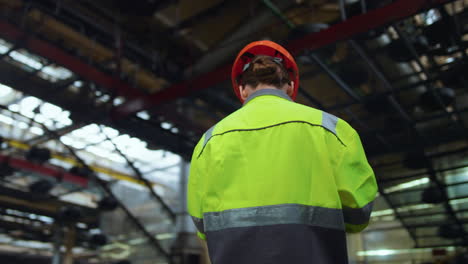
x=102 y=103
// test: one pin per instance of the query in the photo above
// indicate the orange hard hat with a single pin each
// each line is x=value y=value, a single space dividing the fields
x=268 y=48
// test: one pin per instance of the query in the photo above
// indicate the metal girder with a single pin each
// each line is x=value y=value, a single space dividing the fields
x=60 y=132
x=420 y=189
x=44 y=170
x=355 y=25
x=41 y=205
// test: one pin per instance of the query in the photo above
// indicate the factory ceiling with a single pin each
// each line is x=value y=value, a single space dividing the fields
x=114 y=86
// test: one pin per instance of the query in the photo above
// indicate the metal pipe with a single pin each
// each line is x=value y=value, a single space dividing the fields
x=407 y=87
x=342 y=5
x=312 y=99
x=335 y=78
x=279 y=14
x=57 y=244
x=70 y=240
x=363 y=6
x=373 y=67
x=183 y=212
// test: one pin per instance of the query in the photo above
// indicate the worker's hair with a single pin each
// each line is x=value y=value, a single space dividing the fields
x=264 y=70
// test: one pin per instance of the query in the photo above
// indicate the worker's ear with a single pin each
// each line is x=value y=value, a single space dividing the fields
x=243 y=92
x=290 y=88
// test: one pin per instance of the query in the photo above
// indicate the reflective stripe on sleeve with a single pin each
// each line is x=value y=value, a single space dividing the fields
x=357 y=216
x=274 y=215
x=199 y=224
x=329 y=122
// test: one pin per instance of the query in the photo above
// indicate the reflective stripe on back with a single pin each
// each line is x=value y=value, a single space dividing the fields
x=329 y=122
x=274 y=215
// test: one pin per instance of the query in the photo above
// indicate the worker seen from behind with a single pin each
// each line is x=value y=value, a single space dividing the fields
x=277 y=181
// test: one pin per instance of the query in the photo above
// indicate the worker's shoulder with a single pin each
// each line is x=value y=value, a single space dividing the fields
x=344 y=130
x=303 y=110
x=338 y=126
x=284 y=112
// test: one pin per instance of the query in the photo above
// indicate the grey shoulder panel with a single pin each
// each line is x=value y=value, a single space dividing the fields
x=329 y=122
x=208 y=135
x=275 y=92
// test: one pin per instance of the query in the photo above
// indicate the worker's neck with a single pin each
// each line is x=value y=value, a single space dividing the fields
x=267 y=90
x=264 y=86
x=247 y=91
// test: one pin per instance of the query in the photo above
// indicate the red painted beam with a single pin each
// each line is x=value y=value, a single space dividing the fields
x=74 y=64
x=46 y=170
x=362 y=23
x=353 y=26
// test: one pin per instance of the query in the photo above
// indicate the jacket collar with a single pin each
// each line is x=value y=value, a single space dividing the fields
x=273 y=91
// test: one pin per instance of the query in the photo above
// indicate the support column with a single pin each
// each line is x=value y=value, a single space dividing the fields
x=70 y=237
x=57 y=244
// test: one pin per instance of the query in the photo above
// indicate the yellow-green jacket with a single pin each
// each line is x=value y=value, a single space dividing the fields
x=279 y=182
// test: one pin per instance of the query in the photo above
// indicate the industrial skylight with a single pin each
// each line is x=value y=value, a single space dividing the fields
x=415 y=207
x=407 y=185
x=156 y=165
x=30 y=62
x=4 y=46
x=388 y=252
x=52 y=116
x=18 y=126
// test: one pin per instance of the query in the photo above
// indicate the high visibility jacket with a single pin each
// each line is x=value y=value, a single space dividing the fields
x=279 y=182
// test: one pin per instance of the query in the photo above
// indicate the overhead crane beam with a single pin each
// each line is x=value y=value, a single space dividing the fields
x=51 y=171
x=28 y=202
x=99 y=169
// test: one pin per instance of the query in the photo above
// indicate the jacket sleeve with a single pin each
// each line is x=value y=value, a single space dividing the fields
x=357 y=186
x=194 y=191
